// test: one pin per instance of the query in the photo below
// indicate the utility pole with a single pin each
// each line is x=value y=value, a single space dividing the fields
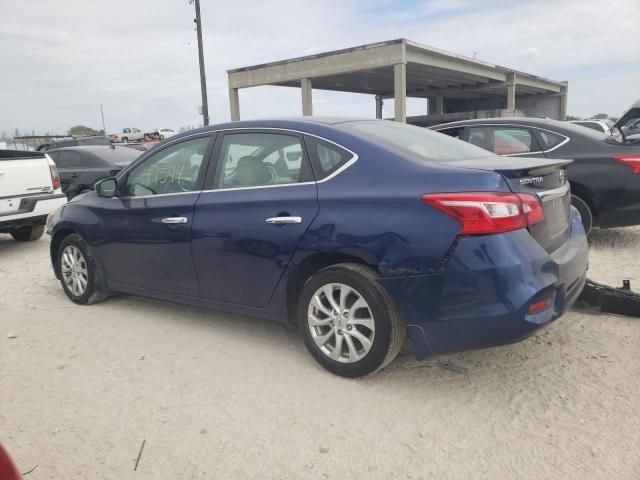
x=102 y=114
x=203 y=80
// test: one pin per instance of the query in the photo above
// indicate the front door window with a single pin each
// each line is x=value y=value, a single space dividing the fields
x=174 y=169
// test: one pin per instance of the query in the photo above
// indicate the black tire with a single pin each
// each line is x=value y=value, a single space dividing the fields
x=586 y=217
x=95 y=290
x=390 y=330
x=28 y=234
x=124 y=140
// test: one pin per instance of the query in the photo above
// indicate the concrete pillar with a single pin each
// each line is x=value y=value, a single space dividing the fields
x=234 y=104
x=400 y=91
x=379 y=103
x=511 y=91
x=439 y=104
x=563 y=103
x=307 y=99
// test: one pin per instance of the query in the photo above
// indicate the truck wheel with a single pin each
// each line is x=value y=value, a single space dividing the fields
x=79 y=276
x=124 y=140
x=351 y=325
x=28 y=234
x=586 y=217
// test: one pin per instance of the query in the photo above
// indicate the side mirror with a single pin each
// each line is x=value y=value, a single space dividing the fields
x=107 y=188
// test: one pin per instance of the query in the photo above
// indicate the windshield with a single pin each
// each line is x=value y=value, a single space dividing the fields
x=418 y=141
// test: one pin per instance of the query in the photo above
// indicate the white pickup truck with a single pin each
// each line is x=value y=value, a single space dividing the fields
x=127 y=135
x=29 y=191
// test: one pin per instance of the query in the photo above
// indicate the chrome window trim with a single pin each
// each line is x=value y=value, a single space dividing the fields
x=347 y=164
x=555 y=147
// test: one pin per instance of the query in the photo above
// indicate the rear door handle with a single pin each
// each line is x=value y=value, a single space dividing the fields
x=283 y=220
x=174 y=220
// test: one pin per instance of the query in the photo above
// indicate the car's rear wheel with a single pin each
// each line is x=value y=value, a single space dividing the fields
x=79 y=276
x=28 y=234
x=351 y=325
x=584 y=212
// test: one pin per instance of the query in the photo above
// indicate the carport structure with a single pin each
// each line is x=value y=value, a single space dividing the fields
x=452 y=84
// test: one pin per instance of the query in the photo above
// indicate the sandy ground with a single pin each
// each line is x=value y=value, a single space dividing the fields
x=219 y=396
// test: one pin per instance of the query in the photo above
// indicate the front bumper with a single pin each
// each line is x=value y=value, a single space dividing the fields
x=481 y=297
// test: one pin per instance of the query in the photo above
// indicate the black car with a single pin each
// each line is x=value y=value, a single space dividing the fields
x=605 y=174
x=80 y=167
x=75 y=142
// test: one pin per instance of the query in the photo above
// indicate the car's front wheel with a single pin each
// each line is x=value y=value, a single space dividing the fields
x=351 y=325
x=28 y=234
x=79 y=276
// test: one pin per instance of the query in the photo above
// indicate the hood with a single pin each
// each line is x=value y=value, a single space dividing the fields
x=632 y=112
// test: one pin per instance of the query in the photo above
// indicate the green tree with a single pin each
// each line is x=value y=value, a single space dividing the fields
x=600 y=116
x=572 y=117
x=81 y=130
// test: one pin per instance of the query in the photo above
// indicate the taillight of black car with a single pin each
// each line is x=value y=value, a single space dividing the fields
x=630 y=160
x=481 y=213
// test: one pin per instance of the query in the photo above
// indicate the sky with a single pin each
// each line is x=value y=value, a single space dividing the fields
x=59 y=60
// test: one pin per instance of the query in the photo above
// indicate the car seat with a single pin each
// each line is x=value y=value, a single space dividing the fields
x=252 y=172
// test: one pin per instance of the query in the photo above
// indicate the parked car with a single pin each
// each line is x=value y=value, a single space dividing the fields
x=604 y=178
x=603 y=126
x=370 y=231
x=74 y=142
x=29 y=191
x=161 y=133
x=81 y=167
x=127 y=135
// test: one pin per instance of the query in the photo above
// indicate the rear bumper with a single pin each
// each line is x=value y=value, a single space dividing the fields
x=32 y=210
x=482 y=296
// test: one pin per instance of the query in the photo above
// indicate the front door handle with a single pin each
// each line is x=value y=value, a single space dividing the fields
x=174 y=220
x=283 y=220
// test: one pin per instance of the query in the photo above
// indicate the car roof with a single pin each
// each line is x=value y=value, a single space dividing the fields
x=564 y=128
x=303 y=124
x=111 y=154
x=532 y=121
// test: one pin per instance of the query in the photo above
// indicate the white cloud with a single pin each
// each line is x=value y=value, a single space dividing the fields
x=61 y=60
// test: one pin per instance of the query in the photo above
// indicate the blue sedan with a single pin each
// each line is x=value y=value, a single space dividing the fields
x=363 y=232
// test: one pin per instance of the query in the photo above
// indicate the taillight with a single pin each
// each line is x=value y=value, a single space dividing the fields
x=55 y=179
x=632 y=161
x=484 y=212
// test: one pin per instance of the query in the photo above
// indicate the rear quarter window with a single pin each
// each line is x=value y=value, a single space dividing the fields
x=326 y=158
x=550 y=139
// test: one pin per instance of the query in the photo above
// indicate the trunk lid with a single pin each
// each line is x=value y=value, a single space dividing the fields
x=544 y=178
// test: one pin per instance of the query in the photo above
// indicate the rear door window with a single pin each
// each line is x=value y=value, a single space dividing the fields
x=70 y=160
x=504 y=140
x=260 y=160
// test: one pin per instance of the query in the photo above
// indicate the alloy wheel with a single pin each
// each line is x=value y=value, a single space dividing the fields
x=341 y=323
x=74 y=270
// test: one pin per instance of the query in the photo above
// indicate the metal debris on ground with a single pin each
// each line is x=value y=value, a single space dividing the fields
x=622 y=301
